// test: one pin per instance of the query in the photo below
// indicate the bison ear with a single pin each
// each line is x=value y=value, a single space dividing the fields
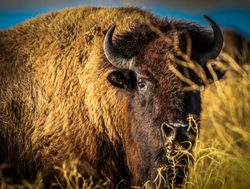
x=122 y=79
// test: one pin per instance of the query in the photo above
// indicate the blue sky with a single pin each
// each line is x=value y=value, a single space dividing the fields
x=235 y=15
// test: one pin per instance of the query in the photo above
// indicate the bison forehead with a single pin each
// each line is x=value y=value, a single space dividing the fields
x=130 y=43
x=155 y=62
x=153 y=52
x=157 y=55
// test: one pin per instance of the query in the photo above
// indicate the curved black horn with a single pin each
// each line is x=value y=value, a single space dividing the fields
x=217 y=42
x=114 y=57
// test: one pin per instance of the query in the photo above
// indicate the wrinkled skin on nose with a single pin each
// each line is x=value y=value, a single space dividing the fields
x=179 y=139
x=183 y=134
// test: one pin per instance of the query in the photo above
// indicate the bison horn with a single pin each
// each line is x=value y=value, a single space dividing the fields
x=115 y=57
x=217 y=42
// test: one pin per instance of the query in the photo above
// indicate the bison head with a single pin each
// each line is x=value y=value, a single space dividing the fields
x=157 y=106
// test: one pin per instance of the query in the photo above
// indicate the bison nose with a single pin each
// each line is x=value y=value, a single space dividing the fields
x=170 y=128
x=167 y=129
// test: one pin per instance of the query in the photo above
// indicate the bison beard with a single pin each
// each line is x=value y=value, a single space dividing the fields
x=74 y=88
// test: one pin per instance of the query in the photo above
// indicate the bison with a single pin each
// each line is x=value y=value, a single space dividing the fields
x=95 y=85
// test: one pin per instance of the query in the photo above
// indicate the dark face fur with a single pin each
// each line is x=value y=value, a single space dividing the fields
x=158 y=108
x=156 y=97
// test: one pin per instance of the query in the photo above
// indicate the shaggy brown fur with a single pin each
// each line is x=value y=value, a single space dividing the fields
x=56 y=104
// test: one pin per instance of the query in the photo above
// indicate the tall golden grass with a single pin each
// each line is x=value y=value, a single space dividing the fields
x=222 y=152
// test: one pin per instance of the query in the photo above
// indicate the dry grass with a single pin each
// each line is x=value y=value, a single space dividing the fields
x=222 y=153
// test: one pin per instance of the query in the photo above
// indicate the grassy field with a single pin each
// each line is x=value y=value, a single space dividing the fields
x=222 y=153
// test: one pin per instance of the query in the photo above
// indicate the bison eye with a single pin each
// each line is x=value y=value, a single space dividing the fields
x=142 y=85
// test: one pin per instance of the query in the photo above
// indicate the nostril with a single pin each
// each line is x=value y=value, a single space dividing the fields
x=167 y=129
